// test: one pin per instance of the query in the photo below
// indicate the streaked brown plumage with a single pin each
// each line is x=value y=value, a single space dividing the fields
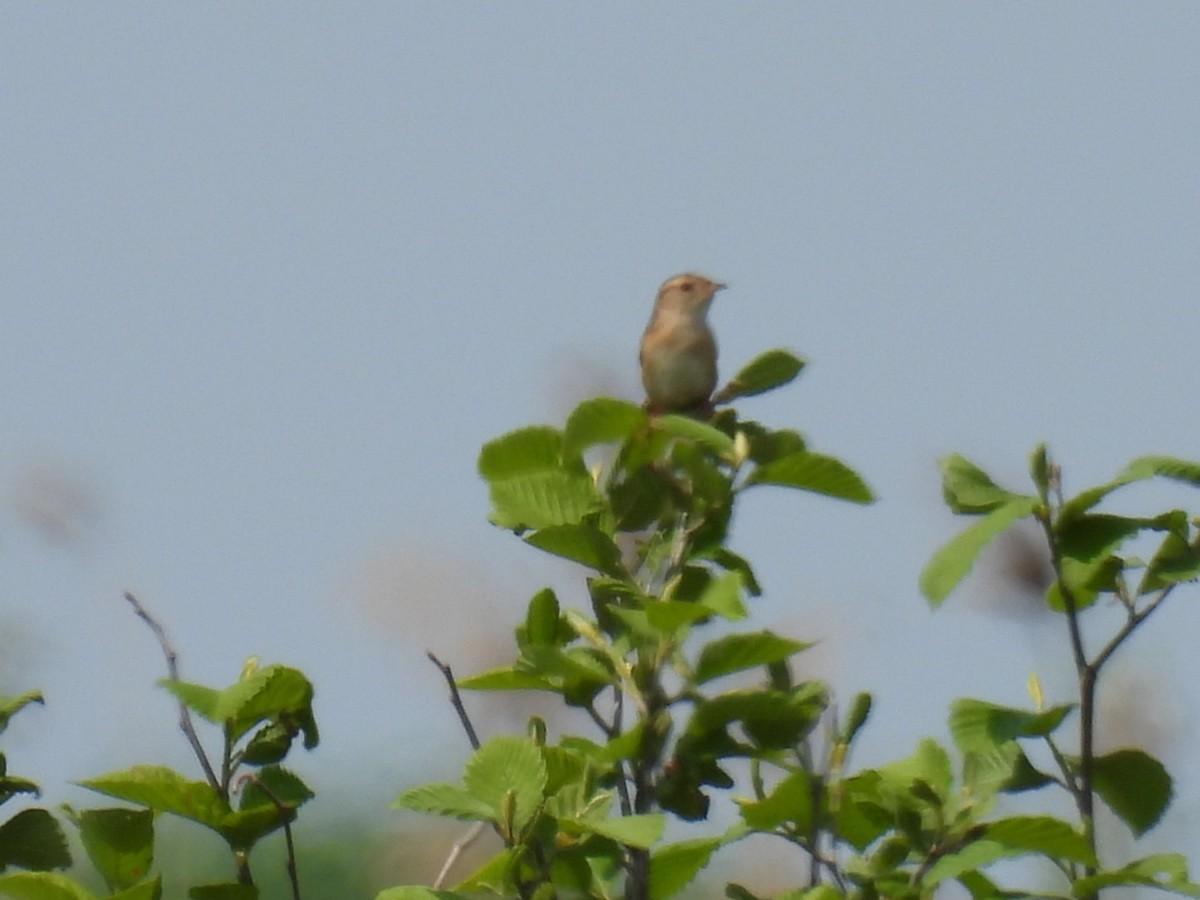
x=678 y=352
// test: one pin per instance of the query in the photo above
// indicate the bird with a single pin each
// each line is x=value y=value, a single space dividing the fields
x=678 y=353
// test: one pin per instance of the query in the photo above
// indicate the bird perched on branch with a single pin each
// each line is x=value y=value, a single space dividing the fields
x=678 y=352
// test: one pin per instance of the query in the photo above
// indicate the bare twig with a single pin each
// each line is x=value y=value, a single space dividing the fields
x=185 y=718
x=283 y=810
x=456 y=699
x=456 y=851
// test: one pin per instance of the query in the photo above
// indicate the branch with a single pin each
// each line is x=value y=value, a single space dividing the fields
x=185 y=717
x=455 y=852
x=283 y=811
x=456 y=699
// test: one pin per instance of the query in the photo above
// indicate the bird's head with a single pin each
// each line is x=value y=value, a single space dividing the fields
x=687 y=293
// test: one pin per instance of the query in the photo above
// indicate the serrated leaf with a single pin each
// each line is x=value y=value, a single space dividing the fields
x=675 y=866
x=164 y=790
x=504 y=766
x=444 y=799
x=538 y=448
x=969 y=490
x=541 y=499
x=271 y=693
x=1135 y=786
x=1165 y=871
x=956 y=557
x=978 y=726
x=33 y=839
x=119 y=843
x=694 y=430
x=640 y=831
x=814 y=472
x=581 y=543
x=601 y=420
x=1040 y=834
x=737 y=652
x=1162 y=466
x=765 y=372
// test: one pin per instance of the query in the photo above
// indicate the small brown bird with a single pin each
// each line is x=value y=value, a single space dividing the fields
x=678 y=353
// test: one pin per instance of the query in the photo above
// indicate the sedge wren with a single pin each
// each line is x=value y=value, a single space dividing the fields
x=678 y=352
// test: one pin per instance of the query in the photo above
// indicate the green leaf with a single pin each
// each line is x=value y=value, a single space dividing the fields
x=505 y=765
x=814 y=472
x=738 y=652
x=540 y=499
x=525 y=451
x=602 y=420
x=33 y=839
x=723 y=595
x=1176 y=561
x=668 y=616
x=417 y=893
x=1135 y=786
x=978 y=726
x=10 y=706
x=1165 y=871
x=542 y=619
x=1040 y=834
x=954 y=560
x=765 y=372
x=675 y=866
x=1039 y=471
x=1087 y=543
x=445 y=800
x=506 y=678
x=929 y=764
x=581 y=543
x=120 y=844
x=731 y=562
x=973 y=856
x=283 y=786
x=151 y=889
x=271 y=693
x=42 y=886
x=789 y=801
x=1163 y=466
x=968 y=490
x=640 y=831
x=164 y=790
x=693 y=430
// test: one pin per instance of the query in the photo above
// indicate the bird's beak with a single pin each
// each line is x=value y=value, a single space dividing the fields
x=719 y=286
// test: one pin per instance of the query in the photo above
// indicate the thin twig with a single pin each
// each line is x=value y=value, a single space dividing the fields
x=456 y=699
x=185 y=718
x=1135 y=619
x=456 y=851
x=283 y=810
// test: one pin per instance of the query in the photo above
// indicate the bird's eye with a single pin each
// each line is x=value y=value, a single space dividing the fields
x=687 y=286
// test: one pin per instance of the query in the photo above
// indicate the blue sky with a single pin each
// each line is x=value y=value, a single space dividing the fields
x=272 y=273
